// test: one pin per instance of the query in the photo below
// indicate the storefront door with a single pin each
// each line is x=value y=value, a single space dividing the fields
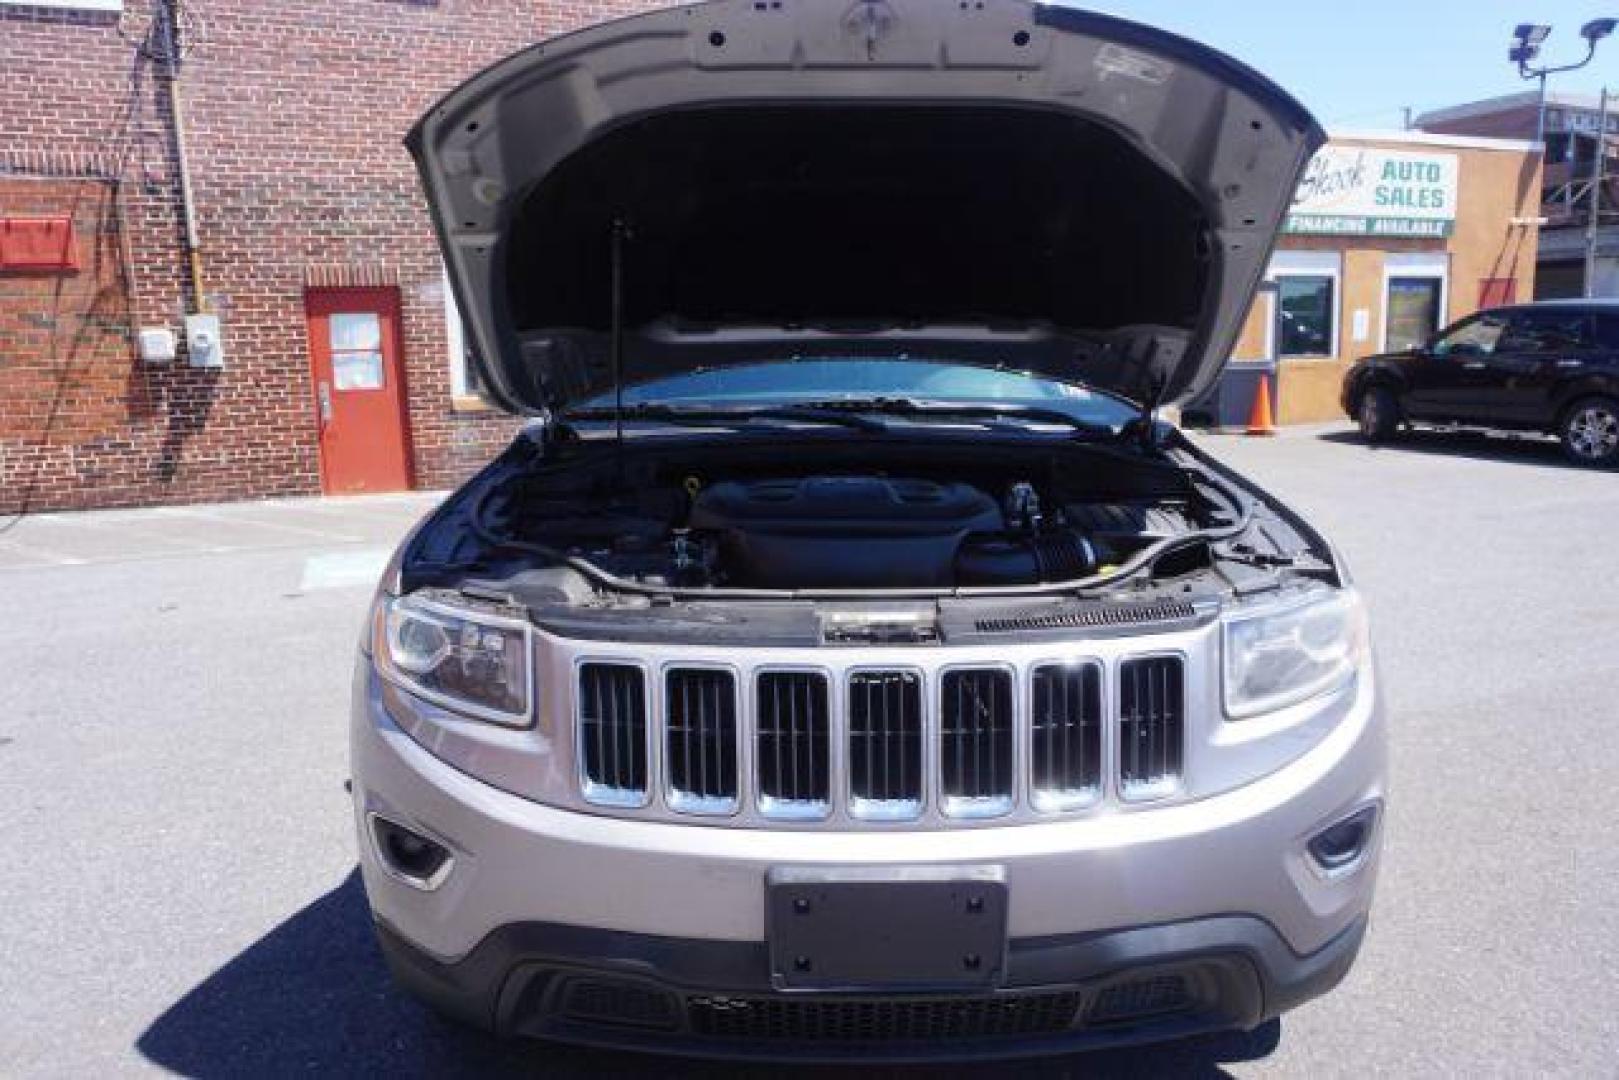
x=1413 y=307
x=359 y=387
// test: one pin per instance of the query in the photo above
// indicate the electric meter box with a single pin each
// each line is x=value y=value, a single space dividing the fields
x=157 y=344
x=203 y=344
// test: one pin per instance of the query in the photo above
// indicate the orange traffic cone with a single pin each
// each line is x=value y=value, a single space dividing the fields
x=1259 y=417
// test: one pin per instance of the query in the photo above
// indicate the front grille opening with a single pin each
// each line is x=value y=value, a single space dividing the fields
x=885 y=744
x=794 y=744
x=974 y=754
x=612 y=734
x=700 y=732
x=1066 y=729
x=882 y=1020
x=620 y=1003
x=1141 y=999
x=975 y=742
x=1151 y=725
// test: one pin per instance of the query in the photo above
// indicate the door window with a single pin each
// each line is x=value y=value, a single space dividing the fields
x=1477 y=336
x=1413 y=305
x=356 y=343
x=1536 y=333
x=1305 y=305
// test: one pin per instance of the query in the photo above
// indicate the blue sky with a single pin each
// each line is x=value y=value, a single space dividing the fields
x=1356 y=62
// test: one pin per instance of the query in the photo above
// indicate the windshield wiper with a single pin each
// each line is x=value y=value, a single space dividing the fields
x=1014 y=414
x=704 y=416
x=864 y=414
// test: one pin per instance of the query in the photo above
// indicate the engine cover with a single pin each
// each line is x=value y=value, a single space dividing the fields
x=842 y=531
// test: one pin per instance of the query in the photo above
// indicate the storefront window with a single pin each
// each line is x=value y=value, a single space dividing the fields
x=1304 y=319
x=1413 y=306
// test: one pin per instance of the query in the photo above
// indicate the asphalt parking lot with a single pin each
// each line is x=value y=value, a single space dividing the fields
x=178 y=884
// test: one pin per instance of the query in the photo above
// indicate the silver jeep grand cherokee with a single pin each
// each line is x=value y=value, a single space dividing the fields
x=846 y=661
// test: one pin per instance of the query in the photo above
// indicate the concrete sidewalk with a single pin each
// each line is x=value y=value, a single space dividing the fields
x=355 y=528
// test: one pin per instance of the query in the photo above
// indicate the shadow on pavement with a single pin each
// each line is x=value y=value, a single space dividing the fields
x=313 y=997
x=1510 y=449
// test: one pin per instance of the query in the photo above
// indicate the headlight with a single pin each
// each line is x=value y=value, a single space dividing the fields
x=473 y=661
x=1277 y=656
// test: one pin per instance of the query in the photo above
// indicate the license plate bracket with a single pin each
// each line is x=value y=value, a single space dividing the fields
x=914 y=929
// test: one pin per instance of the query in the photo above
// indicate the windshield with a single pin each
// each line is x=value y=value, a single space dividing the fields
x=786 y=382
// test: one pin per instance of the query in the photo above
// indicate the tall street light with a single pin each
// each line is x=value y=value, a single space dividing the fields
x=1526 y=42
x=1594 y=222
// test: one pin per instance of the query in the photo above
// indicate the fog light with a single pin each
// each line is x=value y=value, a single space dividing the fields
x=1341 y=843
x=413 y=858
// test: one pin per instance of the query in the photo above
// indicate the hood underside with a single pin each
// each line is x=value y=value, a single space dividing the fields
x=1005 y=184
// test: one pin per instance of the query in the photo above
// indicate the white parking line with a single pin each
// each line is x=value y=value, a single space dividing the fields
x=358 y=513
x=341 y=569
x=252 y=523
x=50 y=558
x=122 y=526
x=90 y=538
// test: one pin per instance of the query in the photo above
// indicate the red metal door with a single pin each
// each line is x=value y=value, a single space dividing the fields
x=359 y=390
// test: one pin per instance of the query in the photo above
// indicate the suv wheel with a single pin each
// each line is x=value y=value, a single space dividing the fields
x=1591 y=432
x=1378 y=414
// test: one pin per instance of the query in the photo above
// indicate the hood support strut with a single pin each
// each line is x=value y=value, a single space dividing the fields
x=1155 y=379
x=620 y=236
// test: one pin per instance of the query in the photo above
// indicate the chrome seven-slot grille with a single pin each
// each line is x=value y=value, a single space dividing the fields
x=879 y=762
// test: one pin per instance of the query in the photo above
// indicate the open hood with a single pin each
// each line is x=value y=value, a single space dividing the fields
x=997 y=182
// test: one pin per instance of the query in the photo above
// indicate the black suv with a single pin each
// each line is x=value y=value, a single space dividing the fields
x=1552 y=366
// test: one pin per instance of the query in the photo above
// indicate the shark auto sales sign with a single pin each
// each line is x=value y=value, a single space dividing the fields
x=1360 y=191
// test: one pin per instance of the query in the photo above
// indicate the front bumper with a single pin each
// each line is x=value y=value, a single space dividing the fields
x=1217 y=896
x=715 y=998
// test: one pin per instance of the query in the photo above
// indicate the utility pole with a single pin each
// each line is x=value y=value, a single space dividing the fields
x=1598 y=165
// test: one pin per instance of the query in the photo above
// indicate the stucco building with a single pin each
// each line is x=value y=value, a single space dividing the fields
x=1392 y=236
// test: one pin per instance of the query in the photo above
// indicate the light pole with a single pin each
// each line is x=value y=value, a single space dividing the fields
x=1599 y=160
x=1526 y=42
x=1527 y=39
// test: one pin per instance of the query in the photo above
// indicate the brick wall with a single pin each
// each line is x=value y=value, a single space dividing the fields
x=294 y=112
x=1517 y=122
x=64 y=337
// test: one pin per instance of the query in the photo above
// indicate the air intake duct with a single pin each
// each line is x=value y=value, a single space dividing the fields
x=993 y=559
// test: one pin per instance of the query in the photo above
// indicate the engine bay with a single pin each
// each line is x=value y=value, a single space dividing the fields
x=841 y=517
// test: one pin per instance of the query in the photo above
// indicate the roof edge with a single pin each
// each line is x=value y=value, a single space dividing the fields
x=1433 y=138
